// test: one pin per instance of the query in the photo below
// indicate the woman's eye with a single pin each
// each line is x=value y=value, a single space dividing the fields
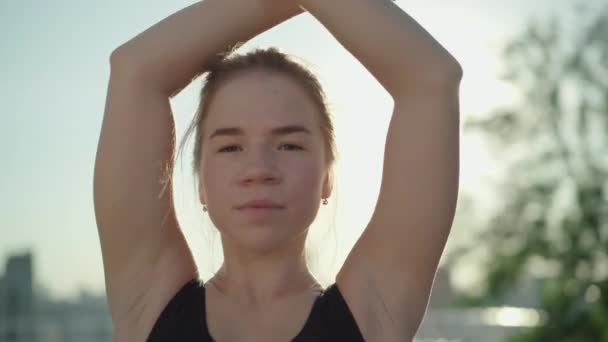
x=292 y=147
x=228 y=148
x=231 y=148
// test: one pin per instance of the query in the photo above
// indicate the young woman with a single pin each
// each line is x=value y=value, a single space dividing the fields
x=263 y=158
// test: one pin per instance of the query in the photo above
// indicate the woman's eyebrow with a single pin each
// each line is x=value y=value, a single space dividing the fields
x=278 y=131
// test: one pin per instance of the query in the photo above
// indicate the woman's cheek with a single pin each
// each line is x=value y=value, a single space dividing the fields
x=214 y=176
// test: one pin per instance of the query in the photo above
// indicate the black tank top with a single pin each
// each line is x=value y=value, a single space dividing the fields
x=183 y=319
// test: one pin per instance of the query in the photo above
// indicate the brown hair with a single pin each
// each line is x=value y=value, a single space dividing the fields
x=227 y=67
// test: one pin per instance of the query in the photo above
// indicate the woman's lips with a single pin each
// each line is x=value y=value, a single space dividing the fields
x=260 y=213
x=260 y=204
x=259 y=209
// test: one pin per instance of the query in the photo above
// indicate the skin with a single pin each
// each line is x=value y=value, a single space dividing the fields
x=264 y=258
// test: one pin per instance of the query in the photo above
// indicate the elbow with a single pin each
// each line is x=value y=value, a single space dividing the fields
x=447 y=73
x=121 y=60
x=118 y=58
x=125 y=65
x=454 y=70
x=125 y=53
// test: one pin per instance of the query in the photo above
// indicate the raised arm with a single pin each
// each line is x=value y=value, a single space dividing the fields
x=387 y=277
x=146 y=258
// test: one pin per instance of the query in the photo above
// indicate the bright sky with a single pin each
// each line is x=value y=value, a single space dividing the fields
x=55 y=62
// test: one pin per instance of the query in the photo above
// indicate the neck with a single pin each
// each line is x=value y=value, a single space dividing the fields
x=256 y=279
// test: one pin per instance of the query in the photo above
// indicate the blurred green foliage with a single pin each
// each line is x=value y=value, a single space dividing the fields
x=552 y=224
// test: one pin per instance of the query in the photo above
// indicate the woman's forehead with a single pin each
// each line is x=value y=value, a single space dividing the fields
x=262 y=88
x=261 y=102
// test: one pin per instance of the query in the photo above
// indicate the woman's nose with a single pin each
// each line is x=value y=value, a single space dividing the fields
x=260 y=167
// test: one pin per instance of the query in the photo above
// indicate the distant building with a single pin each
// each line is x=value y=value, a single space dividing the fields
x=29 y=317
x=83 y=319
x=17 y=311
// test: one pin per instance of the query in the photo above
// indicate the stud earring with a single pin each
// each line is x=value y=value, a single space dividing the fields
x=205 y=208
x=325 y=201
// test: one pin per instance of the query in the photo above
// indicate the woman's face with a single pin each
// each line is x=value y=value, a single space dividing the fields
x=262 y=140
